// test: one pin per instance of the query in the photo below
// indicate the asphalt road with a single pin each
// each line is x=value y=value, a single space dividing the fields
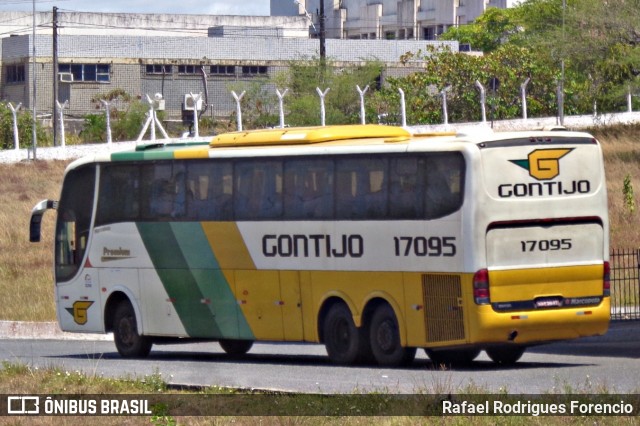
x=609 y=363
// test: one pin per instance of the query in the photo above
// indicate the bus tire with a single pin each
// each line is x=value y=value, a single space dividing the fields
x=452 y=356
x=235 y=347
x=505 y=355
x=384 y=338
x=128 y=342
x=341 y=336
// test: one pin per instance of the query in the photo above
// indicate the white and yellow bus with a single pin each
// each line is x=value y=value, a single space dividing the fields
x=369 y=239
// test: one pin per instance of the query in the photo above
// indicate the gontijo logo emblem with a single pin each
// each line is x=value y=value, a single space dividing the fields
x=79 y=311
x=543 y=164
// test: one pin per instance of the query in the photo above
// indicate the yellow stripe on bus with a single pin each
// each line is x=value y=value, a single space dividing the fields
x=192 y=152
x=228 y=246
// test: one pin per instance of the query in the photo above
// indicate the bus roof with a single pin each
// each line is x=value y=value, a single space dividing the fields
x=309 y=135
x=358 y=136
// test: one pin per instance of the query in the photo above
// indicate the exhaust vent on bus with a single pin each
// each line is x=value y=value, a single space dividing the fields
x=444 y=315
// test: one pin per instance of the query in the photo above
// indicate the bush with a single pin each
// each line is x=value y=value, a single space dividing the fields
x=25 y=126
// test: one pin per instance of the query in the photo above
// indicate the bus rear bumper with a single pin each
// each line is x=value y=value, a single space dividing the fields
x=532 y=327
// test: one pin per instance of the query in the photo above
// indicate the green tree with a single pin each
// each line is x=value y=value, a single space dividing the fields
x=342 y=102
x=259 y=104
x=598 y=43
x=127 y=124
x=487 y=32
x=94 y=128
x=128 y=116
x=457 y=72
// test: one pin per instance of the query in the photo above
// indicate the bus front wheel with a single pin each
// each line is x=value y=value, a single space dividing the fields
x=129 y=343
x=235 y=347
x=505 y=355
x=341 y=336
x=385 y=339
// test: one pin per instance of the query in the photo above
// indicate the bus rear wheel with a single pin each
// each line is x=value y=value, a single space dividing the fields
x=384 y=338
x=235 y=347
x=341 y=336
x=505 y=355
x=129 y=343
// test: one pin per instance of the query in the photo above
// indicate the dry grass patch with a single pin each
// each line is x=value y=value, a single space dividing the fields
x=26 y=276
x=621 y=147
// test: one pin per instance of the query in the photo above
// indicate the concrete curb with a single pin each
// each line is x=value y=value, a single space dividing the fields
x=44 y=330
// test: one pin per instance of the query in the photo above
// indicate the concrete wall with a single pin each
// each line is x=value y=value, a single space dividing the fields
x=135 y=24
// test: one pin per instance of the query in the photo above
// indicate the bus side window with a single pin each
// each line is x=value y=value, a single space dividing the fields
x=162 y=198
x=405 y=199
x=209 y=190
x=258 y=190
x=443 y=186
x=308 y=189
x=119 y=194
x=361 y=188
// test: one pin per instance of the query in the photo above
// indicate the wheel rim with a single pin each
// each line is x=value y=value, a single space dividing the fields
x=126 y=331
x=385 y=337
x=342 y=335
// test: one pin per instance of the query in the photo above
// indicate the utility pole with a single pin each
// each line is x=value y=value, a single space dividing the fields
x=54 y=116
x=34 y=133
x=561 y=89
x=323 y=35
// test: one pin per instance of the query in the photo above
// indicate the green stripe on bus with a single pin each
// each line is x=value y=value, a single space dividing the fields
x=197 y=293
x=211 y=281
x=142 y=155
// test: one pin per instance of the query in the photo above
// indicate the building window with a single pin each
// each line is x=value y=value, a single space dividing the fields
x=158 y=69
x=254 y=70
x=87 y=72
x=14 y=73
x=189 y=69
x=429 y=33
x=222 y=70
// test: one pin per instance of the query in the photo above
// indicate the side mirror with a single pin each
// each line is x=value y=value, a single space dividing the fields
x=36 y=218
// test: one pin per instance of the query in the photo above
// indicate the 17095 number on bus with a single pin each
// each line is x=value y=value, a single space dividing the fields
x=546 y=245
x=425 y=246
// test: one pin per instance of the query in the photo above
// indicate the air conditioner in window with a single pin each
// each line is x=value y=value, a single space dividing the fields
x=189 y=104
x=65 y=77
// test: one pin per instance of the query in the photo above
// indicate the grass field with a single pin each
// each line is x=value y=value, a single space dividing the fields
x=26 y=268
x=235 y=406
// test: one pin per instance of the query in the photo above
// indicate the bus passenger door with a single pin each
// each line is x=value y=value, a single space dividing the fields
x=259 y=296
x=291 y=305
x=77 y=284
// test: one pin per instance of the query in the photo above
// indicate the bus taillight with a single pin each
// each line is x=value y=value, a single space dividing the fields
x=606 y=280
x=481 y=287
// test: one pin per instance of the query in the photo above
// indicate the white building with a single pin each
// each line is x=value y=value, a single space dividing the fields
x=168 y=54
x=388 y=19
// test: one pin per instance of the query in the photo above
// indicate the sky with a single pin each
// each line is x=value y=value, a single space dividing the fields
x=197 y=7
